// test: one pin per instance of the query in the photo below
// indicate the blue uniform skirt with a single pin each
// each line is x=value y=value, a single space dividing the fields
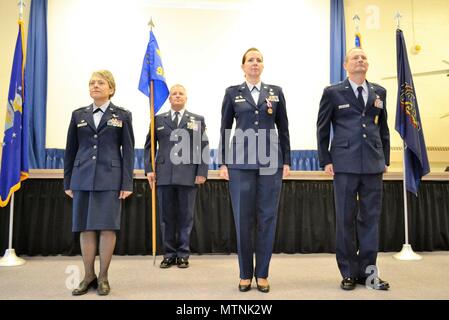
x=96 y=210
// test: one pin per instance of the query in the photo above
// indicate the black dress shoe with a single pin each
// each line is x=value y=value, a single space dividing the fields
x=263 y=288
x=375 y=283
x=103 y=288
x=84 y=286
x=167 y=263
x=348 y=283
x=183 y=263
x=244 y=287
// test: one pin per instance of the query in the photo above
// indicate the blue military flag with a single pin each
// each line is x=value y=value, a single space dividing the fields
x=152 y=70
x=14 y=167
x=358 y=40
x=408 y=121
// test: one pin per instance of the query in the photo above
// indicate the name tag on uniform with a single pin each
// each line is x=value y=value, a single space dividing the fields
x=115 y=123
x=343 y=106
x=160 y=128
x=239 y=100
x=82 y=124
x=273 y=98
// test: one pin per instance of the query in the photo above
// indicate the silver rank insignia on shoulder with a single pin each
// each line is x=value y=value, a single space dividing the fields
x=115 y=123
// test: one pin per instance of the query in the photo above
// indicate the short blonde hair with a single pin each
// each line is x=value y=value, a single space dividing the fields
x=173 y=87
x=106 y=75
x=351 y=50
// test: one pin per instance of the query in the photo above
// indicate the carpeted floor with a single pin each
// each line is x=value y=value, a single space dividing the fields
x=215 y=277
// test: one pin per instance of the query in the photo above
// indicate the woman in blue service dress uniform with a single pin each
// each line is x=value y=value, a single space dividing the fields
x=254 y=161
x=98 y=175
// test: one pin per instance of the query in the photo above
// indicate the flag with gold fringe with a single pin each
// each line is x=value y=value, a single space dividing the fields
x=408 y=121
x=14 y=167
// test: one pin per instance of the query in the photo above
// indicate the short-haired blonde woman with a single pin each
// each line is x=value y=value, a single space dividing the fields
x=98 y=175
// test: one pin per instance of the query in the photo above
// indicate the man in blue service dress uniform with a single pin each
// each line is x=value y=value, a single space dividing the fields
x=358 y=156
x=181 y=164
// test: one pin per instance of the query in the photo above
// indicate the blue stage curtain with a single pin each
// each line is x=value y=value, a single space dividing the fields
x=338 y=41
x=36 y=82
x=304 y=160
x=54 y=159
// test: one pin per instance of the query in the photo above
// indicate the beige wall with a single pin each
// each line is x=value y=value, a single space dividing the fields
x=431 y=28
x=9 y=15
x=431 y=31
x=201 y=42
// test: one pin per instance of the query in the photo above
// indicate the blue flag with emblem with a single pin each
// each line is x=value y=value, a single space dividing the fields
x=14 y=168
x=408 y=121
x=152 y=70
x=358 y=40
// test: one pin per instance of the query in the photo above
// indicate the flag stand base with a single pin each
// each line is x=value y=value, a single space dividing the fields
x=10 y=259
x=407 y=254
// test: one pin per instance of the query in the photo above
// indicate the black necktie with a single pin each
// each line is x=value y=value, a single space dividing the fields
x=360 y=97
x=176 y=119
x=97 y=110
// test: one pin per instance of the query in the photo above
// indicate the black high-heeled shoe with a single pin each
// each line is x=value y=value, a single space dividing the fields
x=244 y=287
x=84 y=286
x=264 y=289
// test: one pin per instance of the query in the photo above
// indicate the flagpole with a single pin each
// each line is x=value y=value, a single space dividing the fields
x=407 y=252
x=10 y=259
x=153 y=189
x=358 y=36
x=153 y=167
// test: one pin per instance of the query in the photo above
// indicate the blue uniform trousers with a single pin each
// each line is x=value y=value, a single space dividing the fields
x=255 y=200
x=175 y=206
x=357 y=224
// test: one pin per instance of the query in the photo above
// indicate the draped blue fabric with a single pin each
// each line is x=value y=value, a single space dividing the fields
x=36 y=82
x=304 y=160
x=338 y=41
x=54 y=159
